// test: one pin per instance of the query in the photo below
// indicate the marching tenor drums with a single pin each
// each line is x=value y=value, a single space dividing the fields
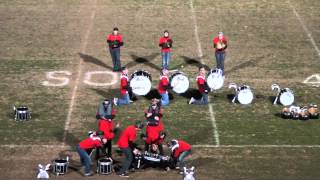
x=179 y=82
x=140 y=82
x=21 y=113
x=286 y=97
x=245 y=95
x=215 y=79
x=104 y=166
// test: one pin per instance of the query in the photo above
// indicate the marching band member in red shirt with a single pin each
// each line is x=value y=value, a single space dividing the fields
x=154 y=140
x=180 y=150
x=95 y=140
x=126 y=144
x=203 y=88
x=163 y=87
x=220 y=44
x=115 y=41
x=124 y=89
x=165 y=43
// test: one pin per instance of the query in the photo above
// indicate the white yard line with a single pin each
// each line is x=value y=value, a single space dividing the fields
x=200 y=54
x=256 y=146
x=306 y=30
x=195 y=146
x=76 y=85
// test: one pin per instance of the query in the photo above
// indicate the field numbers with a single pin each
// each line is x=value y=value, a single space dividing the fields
x=61 y=78
x=313 y=80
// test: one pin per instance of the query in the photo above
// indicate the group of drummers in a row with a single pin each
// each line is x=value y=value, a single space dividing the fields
x=140 y=84
x=154 y=139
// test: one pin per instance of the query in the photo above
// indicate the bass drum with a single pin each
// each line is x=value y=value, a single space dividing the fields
x=140 y=82
x=179 y=82
x=245 y=95
x=215 y=79
x=286 y=97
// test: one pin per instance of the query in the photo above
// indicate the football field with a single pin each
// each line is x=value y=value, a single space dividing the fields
x=53 y=59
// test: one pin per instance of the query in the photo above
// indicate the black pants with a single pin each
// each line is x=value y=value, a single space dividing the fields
x=106 y=148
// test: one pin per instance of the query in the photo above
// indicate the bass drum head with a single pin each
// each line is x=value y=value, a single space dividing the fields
x=179 y=83
x=141 y=85
x=286 y=98
x=245 y=96
x=215 y=81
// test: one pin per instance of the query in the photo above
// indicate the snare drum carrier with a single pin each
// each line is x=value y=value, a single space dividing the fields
x=60 y=166
x=104 y=166
x=21 y=113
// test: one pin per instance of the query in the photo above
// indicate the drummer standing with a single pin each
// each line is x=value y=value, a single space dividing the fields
x=124 y=89
x=115 y=41
x=126 y=145
x=203 y=88
x=163 y=87
x=220 y=45
x=165 y=43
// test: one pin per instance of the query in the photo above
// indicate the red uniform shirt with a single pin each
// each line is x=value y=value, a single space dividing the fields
x=201 y=80
x=183 y=146
x=124 y=83
x=112 y=37
x=164 y=40
x=91 y=142
x=129 y=134
x=215 y=42
x=107 y=127
x=163 y=83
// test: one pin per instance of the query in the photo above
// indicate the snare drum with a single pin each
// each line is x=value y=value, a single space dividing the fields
x=304 y=115
x=313 y=111
x=286 y=114
x=245 y=95
x=104 y=166
x=140 y=82
x=22 y=113
x=215 y=79
x=60 y=166
x=179 y=82
x=286 y=97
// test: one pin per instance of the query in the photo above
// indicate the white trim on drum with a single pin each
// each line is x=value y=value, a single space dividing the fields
x=200 y=54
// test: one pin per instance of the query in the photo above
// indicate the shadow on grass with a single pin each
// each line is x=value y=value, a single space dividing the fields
x=153 y=94
x=246 y=64
x=145 y=60
x=93 y=60
x=191 y=92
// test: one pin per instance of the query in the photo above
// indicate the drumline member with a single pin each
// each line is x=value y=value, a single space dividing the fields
x=163 y=87
x=124 y=89
x=165 y=43
x=115 y=42
x=84 y=148
x=203 y=88
x=105 y=115
x=220 y=45
x=153 y=141
x=126 y=145
x=180 y=150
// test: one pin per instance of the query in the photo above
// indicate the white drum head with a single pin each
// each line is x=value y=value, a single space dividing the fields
x=245 y=96
x=286 y=98
x=179 y=83
x=215 y=81
x=140 y=85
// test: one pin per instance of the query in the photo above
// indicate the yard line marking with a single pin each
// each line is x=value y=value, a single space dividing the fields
x=200 y=54
x=256 y=146
x=195 y=146
x=306 y=30
x=214 y=125
x=75 y=89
